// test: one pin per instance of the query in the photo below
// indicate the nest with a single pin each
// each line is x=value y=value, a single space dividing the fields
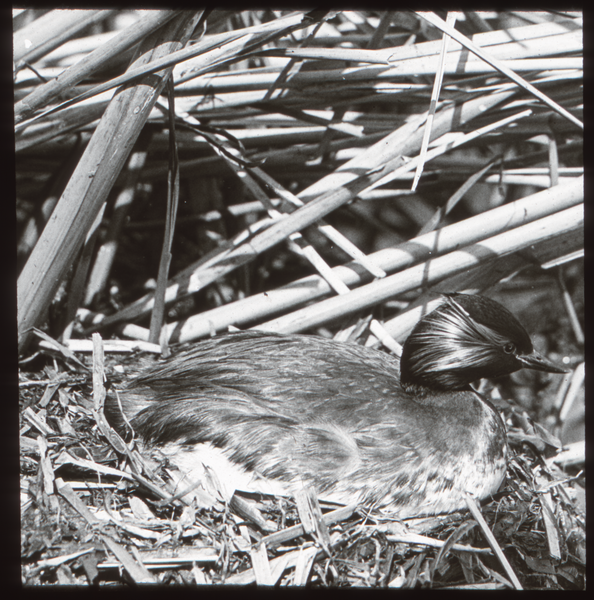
x=89 y=519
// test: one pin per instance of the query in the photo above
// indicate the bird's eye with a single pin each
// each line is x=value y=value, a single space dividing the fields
x=509 y=348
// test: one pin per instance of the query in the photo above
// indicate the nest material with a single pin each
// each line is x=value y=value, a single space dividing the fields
x=86 y=519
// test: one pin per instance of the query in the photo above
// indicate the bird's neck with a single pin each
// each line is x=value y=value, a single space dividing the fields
x=421 y=391
x=421 y=382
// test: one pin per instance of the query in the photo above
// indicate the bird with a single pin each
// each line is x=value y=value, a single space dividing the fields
x=273 y=413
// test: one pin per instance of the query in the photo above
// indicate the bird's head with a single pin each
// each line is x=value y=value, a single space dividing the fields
x=465 y=339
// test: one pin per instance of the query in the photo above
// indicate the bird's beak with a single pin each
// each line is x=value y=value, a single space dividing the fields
x=539 y=363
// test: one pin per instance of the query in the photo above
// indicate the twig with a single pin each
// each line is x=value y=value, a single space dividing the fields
x=476 y=513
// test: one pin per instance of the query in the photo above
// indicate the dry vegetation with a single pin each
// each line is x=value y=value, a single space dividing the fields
x=329 y=173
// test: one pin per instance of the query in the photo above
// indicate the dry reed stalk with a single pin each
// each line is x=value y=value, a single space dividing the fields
x=90 y=63
x=50 y=31
x=567 y=221
x=416 y=251
x=93 y=178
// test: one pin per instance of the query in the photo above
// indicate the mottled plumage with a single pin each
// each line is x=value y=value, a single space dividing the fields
x=288 y=410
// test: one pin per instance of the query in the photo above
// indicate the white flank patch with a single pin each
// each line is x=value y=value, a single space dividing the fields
x=214 y=476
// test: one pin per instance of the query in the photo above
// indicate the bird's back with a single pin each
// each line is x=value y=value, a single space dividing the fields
x=307 y=377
